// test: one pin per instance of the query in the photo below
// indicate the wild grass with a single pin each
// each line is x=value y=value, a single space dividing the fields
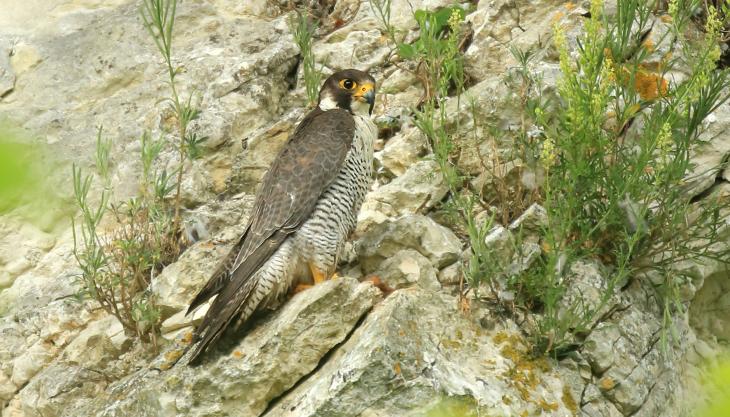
x=611 y=155
x=304 y=30
x=120 y=247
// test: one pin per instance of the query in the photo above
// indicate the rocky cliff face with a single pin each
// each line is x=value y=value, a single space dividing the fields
x=342 y=348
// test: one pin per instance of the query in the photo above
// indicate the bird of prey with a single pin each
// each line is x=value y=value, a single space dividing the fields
x=304 y=210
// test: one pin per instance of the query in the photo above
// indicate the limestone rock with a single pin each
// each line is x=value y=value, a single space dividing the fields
x=412 y=348
x=417 y=232
x=587 y=293
x=408 y=267
x=100 y=342
x=709 y=156
x=176 y=286
x=55 y=390
x=531 y=222
x=498 y=25
x=402 y=151
x=31 y=361
x=243 y=377
x=419 y=188
x=452 y=274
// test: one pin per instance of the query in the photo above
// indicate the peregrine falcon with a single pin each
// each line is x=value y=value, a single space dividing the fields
x=303 y=212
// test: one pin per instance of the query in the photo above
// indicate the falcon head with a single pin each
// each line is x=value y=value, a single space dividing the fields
x=350 y=89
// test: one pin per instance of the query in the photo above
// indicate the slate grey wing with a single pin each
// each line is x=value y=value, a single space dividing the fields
x=220 y=276
x=302 y=171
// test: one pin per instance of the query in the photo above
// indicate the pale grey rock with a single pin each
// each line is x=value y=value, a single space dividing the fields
x=500 y=24
x=430 y=239
x=452 y=274
x=234 y=66
x=708 y=310
x=420 y=188
x=402 y=151
x=178 y=283
x=530 y=223
x=588 y=293
x=171 y=327
x=365 y=48
x=414 y=347
x=31 y=361
x=640 y=375
x=599 y=347
x=243 y=378
x=401 y=11
x=22 y=248
x=100 y=342
x=501 y=241
x=54 y=391
x=7 y=390
x=710 y=155
x=406 y=268
x=593 y=404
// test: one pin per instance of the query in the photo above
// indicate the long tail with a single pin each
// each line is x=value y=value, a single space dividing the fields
x=233 y=302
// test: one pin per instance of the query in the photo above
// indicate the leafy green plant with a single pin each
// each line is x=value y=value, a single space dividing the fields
x=117 y=267
x=304 y=30
x=614 y=149
x=143 y=234
x=613 y=192
x=158 y=17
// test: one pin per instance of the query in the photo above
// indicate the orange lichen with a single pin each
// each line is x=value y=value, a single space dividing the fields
x=556 y=17
x=648 y=44
x=570 y=5
x=187 y=338
x=607 y=383
x=238 y=354
x=397 y=369
x=650 y=85
x=523 y=376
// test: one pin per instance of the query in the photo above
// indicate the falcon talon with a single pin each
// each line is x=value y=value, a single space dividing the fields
x=304 y=210
x=301 y=287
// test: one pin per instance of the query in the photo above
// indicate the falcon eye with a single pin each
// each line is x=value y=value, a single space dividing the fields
x=348 y=84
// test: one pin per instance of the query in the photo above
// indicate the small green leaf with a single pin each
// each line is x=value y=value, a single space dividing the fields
x=406 y=51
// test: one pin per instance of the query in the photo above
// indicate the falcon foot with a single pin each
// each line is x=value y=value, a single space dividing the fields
x=300 y=287
x=320 y=276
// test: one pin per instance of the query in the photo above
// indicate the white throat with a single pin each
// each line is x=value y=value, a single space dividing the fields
x=357 y=107
x=327 y=102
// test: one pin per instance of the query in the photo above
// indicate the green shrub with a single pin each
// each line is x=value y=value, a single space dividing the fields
x=146 y=231
x=614 y=150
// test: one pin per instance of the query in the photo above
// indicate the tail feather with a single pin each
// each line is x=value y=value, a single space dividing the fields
x=240 y=303
x=219 y=279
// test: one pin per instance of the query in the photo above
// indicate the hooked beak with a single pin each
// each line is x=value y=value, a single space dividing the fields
x=366 y=93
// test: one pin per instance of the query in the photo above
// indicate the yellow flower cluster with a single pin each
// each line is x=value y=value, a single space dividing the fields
x=455 y=19
x=548 y=154
x=664 y=140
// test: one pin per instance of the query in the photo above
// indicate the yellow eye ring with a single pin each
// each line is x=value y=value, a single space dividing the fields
x=348 y=84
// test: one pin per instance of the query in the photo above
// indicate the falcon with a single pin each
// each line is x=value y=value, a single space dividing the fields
x=303 y=212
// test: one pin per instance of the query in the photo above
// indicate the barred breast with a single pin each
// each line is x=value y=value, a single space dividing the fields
x=321 y=237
